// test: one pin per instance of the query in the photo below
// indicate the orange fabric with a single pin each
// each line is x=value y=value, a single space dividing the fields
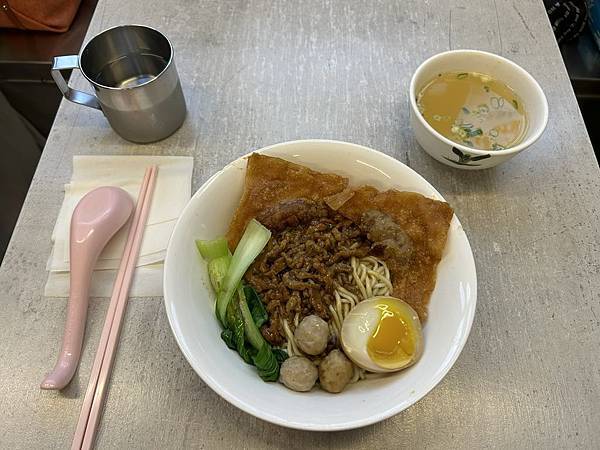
x=45 y=15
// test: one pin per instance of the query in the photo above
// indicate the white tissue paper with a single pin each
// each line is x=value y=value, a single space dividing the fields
x=171 y=194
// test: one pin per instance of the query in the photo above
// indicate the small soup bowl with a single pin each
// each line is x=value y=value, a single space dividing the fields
x=458 y=155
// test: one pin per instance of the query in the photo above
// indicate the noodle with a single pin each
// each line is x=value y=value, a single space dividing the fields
x=371 y=277
x=292 y=349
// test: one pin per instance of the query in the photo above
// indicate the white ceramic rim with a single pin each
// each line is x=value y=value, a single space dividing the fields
x=517 y=148
x=250 y=409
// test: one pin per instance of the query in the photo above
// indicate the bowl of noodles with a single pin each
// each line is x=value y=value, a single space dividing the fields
x=350 y=231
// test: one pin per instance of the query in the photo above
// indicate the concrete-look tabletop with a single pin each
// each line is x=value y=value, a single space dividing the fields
x=256 y=73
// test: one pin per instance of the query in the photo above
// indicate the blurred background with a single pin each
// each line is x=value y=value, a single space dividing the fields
x=29 y=98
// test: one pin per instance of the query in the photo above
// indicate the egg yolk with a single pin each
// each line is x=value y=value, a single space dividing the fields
x=393 y=341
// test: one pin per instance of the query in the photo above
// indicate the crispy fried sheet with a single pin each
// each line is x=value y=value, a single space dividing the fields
x=270 y=180
x=426 y=222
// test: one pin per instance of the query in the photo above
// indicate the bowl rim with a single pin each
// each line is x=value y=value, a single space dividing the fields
x=512 y=150
x=351 y=424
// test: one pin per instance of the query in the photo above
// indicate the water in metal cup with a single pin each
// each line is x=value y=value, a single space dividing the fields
x=132 y=70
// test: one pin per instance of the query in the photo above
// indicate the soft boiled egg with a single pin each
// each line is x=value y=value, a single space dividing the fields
x=382 y=334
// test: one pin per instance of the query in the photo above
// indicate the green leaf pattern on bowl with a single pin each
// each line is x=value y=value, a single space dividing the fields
x=465 y=159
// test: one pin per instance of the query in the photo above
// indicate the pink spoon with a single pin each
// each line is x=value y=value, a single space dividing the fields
x=96 y=218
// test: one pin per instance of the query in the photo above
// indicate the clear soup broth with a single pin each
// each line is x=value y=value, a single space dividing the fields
x=473 y=109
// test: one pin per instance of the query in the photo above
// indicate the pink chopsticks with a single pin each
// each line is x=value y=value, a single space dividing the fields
x=94 y=396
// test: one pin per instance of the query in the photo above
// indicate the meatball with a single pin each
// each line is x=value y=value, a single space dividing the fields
x=298 y=373
x=311 y=335
x=335 y=371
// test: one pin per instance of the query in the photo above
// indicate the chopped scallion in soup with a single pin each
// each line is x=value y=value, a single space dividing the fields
x=473 y=109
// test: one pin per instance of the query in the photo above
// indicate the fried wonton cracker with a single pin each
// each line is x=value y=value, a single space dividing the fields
x=425 y=221
x=270 y=180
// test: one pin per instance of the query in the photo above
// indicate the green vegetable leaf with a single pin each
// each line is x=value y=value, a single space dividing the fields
x=232 y=311
x=248 y=341
x=475 y=132
x=256 y=306
x=252 y=243
x=214 y=249
x=217 y=269
x=236 y=326
x=462 y=76
x=227 y=336
x=246 y=352
x=266 y=363
x=234 y=335
x=280 y=355
x=252 y=332
x=218 y=256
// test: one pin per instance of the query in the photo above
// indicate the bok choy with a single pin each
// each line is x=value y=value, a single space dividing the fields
x=252 y=243
x=263 y=357
x=239 y=308
x=218 y=257
x=214 y=249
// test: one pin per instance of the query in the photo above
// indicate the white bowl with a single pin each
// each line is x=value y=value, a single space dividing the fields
x=189 y=300
x=461 y=156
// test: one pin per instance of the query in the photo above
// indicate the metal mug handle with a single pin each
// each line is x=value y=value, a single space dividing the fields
x=71 y=62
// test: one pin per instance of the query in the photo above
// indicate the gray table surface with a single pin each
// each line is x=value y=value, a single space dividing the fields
x=261 y=72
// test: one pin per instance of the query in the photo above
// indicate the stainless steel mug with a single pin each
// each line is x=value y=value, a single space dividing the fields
x=132 y=70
